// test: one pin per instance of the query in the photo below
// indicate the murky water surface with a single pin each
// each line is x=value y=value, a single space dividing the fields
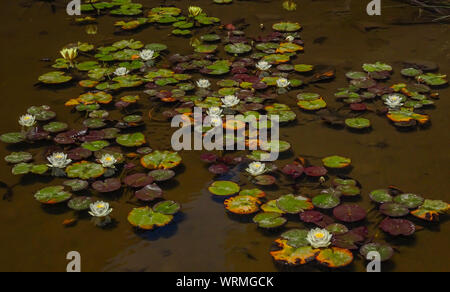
x=204 y=237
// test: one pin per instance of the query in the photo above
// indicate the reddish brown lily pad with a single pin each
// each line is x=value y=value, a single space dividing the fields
x=396 y=227
x=349 y=213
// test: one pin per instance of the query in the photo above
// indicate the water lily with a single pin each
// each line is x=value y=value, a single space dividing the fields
x=100 y=209
x=121 y=71
x=230 y=101
x=216 y=121
x=108 y=161
x=290 y=5
x=214 y=111
x=394 y=101
x=283 y=83
x=58 y=160
x=256 y=168
x=27 y=121
x=69 y=54
x=147 y=55
x=290 y=38
x=203 y=83
x=195 y=11
x=263 y=65
x=319 y=238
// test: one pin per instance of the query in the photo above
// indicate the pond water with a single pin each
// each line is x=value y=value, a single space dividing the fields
x=204 y=237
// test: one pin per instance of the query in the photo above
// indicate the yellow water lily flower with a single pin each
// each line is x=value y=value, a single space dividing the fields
x=195 y=11
x=69 y=54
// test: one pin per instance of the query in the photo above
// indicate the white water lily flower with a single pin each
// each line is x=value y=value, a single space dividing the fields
x=256 y=168
x=147 y=55
x=230 y=101
x=214 y=111
x=319 y=238
x=283 y=83
x=27 y=121
x=394 y=101
x=290 y=39
x=108 y=161
x=58 y=160
x=216 y=121
x=203 y=83
x=100 y=209
x=69 y=54
x=121 y=71
x=263 y=65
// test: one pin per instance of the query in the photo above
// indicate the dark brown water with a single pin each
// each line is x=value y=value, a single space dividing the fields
x=204 y=238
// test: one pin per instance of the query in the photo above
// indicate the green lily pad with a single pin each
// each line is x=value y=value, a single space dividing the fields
x=161 y=160
x=95 y=145
x=239 y=48
x=257 y=193
x=411 y=72
x=381 y=196
x=432 y=79
x=394 y=210
x=377 y=67
x=18 y=157
x=12 y=138
x=76 y=184
x=55 y=77
x=302 y=68
x=167 y=207
x=224 y=188
x=206 y=49
x=210 y=38
x=293 y=256
x=336 y=162
x=411 y=201
x=162 y=174
x=80 y=203
x=147 y=219
x=22 y=169
x=385 y=251
x=326 y=201
x=52 y=195
x=131 y=140
x=272 y=207
x=287 y=26
x=276 y=146
x=269 y=220
x=337 y=229
x=85 y=170
x=335 y=257
x=354 y=75
x=294 y=205
x=56 y=127
x=312 y=105
x=358 y=123
x=296 y=237
x=435 y=205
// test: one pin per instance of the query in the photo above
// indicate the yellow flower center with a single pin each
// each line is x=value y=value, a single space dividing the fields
x=320 y=235
x=100 y=206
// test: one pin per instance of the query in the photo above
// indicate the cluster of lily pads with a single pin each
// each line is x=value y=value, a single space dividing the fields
x=335 y=229
x=403 y=103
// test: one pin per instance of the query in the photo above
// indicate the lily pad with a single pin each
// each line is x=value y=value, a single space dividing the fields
x=224 y=188
x=80 y=203
x=287 y=26
x=312 y=105
x=18 y=157
x=12 y=138
x=161 y=160
x=107 y=186
x=349 y=213
x=52 y=195
x=411 y=201
x=337 y=229
x=432 y=79
x=265 y=180
x=167 y=207
x=55 y=77
x=381 y=196
x=358 y=123
x=335 y=257
x=271 y=207
x=131 y=140
x=336 y=162
x=238 y=48
x=326 y=201
x=149 y=193
x=76 y=184
x=384 y=250
x=396 y=227
x=394 y=210
x=294 y=205
x=257 y=193
x=293 y=256
x=160 y=175
x=95 y=145
x=242 y=204
x=296 y=237
x=56 y=127
x=316 y=171
x=138 y=180
x=269 y=220
x=377 y=67
x=85 y=170
x=147 y=219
